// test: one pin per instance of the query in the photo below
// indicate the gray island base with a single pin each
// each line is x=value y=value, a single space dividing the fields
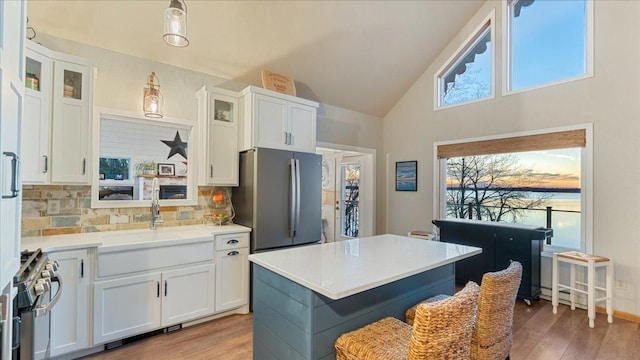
x=305 y=298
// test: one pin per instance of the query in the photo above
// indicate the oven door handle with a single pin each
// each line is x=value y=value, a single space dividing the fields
x=44 y=309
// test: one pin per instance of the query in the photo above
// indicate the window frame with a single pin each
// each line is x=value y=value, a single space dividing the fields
x=458 y=54
x=586 y=182
x=507 y=69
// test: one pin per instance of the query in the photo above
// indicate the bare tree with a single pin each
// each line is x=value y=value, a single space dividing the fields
x=494 y=185
x=468 y=86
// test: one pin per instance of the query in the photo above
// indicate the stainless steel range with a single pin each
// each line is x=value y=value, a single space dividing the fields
x=33 y=300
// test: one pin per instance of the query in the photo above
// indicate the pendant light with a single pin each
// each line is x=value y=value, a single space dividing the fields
x=152 y=104
x=175 y=24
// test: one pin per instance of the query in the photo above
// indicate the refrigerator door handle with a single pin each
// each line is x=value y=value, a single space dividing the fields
x=292 y=220
x=297 y=196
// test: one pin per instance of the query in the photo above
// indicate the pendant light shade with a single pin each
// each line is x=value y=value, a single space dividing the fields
x=175 y=24
x=152 y=104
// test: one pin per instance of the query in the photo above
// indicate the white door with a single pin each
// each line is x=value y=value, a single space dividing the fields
x=36 y=124
x=348 y=181
x=126 y=307
x=187 y=293
x=69 y=325
x=12 y=71
x=302 y=128
x=71 y=123
x=269 y=122
x=232 y=278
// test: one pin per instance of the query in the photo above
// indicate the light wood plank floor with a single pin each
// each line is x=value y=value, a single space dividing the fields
x=537 y=334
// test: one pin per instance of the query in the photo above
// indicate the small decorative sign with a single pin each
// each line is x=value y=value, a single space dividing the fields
x=277 y=82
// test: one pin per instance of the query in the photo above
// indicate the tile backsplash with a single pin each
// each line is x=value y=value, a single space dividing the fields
x=66 y=209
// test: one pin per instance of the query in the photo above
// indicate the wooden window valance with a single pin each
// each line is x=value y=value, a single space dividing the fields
x=548 y=141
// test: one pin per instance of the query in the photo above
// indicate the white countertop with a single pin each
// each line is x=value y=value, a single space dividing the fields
x=123 y=239
x=343 y=268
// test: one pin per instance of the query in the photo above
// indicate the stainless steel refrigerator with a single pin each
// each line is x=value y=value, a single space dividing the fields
x=279 y=198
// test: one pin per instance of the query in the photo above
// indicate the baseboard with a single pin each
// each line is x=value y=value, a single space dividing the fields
x=620 y=314
x=564 y=299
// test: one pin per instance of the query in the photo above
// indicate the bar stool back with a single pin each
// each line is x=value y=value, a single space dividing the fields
x=591 y=262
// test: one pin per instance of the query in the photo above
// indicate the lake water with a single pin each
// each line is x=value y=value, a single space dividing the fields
x=565 y=218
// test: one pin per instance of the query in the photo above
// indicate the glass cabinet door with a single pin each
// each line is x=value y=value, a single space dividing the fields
x=223 y=110
x=72 y=85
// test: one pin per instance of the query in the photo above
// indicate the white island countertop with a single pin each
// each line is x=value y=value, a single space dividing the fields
x=344 y=268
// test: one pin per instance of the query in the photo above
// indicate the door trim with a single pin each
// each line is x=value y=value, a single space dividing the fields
x=372 y=192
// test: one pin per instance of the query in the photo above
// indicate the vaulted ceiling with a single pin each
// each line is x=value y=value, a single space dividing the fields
x=359 y=55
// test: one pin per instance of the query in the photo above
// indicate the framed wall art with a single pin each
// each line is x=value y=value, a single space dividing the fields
x=166 y=169
x=407 y=176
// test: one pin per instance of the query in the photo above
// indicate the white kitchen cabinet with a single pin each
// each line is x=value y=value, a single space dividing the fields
x=126 y=306
x=71 y=123
x=218 y=122
x=232 y=271
x=36 y=127
x=57 y=125
x=70 y=315
x=132 y=305
x=188 y=293
x=278 y=121
x=12 y=24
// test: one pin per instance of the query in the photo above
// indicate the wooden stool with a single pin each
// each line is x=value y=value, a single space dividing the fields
x=591 y=262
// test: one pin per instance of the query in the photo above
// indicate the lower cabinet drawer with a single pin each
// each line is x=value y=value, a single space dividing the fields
x=232 y=241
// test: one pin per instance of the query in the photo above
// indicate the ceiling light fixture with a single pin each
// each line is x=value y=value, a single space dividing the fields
x=175 y=24
x=152 y=104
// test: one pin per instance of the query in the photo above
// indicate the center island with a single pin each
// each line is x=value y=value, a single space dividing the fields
x=305 y=297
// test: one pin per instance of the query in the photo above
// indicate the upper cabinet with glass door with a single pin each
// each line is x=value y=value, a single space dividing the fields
x=36 y=123
x=56 y=130
x=218 y=121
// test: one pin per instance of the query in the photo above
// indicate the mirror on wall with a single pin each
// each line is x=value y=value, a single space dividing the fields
x=130 y=151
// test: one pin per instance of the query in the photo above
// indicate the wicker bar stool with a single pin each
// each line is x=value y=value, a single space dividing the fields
x=442 y=330
x=492 y=332
x=591 y=262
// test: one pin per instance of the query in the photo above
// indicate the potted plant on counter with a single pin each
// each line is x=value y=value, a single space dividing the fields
x=147 y=167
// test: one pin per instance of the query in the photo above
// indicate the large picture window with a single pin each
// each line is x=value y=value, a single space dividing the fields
x=534 y=180
x=468 y=75
x=547 y=42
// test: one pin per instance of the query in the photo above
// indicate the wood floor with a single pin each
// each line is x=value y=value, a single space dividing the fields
x=537 y=334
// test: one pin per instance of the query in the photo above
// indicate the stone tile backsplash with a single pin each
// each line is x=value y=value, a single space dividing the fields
x=66 y=209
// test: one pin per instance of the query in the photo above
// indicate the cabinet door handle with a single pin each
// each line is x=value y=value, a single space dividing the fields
x=232 y=241
x=81 y=268
x=46 y=164
x=84 y=166
x=158 y=289
x=211 y=170
x=165 y=288
x=286 y=138
x=15 y=168
x=233 y=253
x=290 y=139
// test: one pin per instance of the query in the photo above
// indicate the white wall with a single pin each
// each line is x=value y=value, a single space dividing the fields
x=610 y=100
x=121 y=78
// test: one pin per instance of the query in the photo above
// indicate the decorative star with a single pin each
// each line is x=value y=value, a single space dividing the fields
x=177 y=146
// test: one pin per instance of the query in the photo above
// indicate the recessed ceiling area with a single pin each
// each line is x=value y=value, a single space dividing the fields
x=358 y=55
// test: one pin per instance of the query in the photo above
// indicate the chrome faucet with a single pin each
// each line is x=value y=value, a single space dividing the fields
x=156 y=218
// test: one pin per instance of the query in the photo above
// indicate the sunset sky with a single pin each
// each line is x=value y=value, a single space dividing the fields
x=560 y=167
x=549 y=169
